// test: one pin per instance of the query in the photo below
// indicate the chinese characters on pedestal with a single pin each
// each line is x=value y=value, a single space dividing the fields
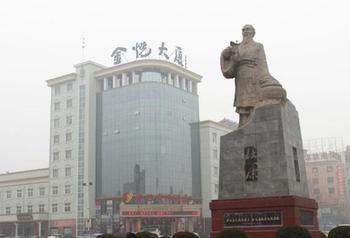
x=142 y=50
x=251 y=163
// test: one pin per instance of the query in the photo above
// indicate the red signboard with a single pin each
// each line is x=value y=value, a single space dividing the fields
x=160 y=213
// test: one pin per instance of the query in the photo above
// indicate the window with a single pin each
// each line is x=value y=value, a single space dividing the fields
x=315 y=181
x=68 y=154
x=8 y=210
x=8 y=194
x=119 y=81
x=57 y=106
x=69 y=103
x=68 y=137
x=54 y=207
x=214 y=137
x=18 y=209
x=56 y=139
x=329 y=169
x=331 y=190
x=41 y=208
x=55 y=190
x=67 y=207
x=314 y=171
x=129 y=78
x=41 y=191
x=29 y=208
x=330 y=180
x=30 y=192
x=69 y=120
x=69 y=87
x=55 y=173
x=67 y=231
x=67 y=189
x=216 y=171
x=316 y=191
x=19 y=193
x=216 y=188
x=109 y=83
x=215 y=153
x=56 y=123
x=57 y=90
x=56 y=155
x=68 y=171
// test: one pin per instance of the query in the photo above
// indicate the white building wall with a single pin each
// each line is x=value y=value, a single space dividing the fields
x=210 y=133
x=62 y=179
x=12 y=182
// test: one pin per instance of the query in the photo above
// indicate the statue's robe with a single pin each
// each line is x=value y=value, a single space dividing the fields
x=247 y=64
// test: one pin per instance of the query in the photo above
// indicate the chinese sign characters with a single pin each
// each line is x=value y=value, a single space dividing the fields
x=251 y=163
x=257 y=218
x=142 y=50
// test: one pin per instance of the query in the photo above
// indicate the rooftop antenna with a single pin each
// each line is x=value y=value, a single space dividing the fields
x=83 y=50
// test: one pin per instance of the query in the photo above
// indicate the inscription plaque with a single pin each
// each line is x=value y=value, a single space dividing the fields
x=248 y=219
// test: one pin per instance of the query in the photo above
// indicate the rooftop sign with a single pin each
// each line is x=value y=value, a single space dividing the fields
x=143 y=50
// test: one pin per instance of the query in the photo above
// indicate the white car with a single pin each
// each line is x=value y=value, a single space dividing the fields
x=153 y=230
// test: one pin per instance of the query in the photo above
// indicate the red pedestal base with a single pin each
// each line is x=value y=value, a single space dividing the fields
x=261 y=217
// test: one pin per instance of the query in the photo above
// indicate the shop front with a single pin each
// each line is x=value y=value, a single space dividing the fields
x=167 y=218
x=25 y=224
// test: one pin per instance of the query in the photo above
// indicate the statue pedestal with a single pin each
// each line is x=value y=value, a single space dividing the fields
x=263 y=183
x=261 y=217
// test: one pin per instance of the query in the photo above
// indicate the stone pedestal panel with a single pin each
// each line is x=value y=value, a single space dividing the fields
x=264 y=157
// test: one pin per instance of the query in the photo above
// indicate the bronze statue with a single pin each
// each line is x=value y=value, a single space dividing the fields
x=246 y=62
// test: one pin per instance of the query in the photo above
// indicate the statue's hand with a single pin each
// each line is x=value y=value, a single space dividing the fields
x=228 y=52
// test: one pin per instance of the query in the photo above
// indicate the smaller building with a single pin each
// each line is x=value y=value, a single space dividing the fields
x=347 y=172
x=326 y=181
x=208 y=134
x=24 y=203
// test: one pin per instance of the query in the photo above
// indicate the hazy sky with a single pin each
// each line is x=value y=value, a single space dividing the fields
x=307 y=44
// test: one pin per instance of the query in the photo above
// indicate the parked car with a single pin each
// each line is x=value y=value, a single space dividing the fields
x=154 y=230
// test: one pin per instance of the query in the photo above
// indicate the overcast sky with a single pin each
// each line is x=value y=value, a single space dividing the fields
x=307 y=44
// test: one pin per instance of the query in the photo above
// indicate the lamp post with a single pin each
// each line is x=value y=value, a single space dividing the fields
x=88 y=220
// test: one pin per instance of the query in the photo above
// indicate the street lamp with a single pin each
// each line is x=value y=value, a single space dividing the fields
x=88 y=221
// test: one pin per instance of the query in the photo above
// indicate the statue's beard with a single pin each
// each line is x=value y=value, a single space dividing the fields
x=247 y=38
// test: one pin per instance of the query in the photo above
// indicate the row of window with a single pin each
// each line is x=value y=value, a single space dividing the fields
x=57 y=122
x=316 y=191
x=19 y=209
x=68 y=138
x=329 y=180
x=315 y=170
x=67 y=172
x=149 y=76
x=41 y=208
x=57 y=105
x=67 y=155
x=20 y=193
x=58 y=89
x=67 y=189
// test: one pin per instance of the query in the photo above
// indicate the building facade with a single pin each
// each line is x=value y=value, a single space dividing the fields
x=24 y=203
x=115 y=130
x=347 y=171
x=326 y=181
x=143 y=132
x=209 y=133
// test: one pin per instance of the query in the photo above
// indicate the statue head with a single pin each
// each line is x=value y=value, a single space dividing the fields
x=248 y=31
